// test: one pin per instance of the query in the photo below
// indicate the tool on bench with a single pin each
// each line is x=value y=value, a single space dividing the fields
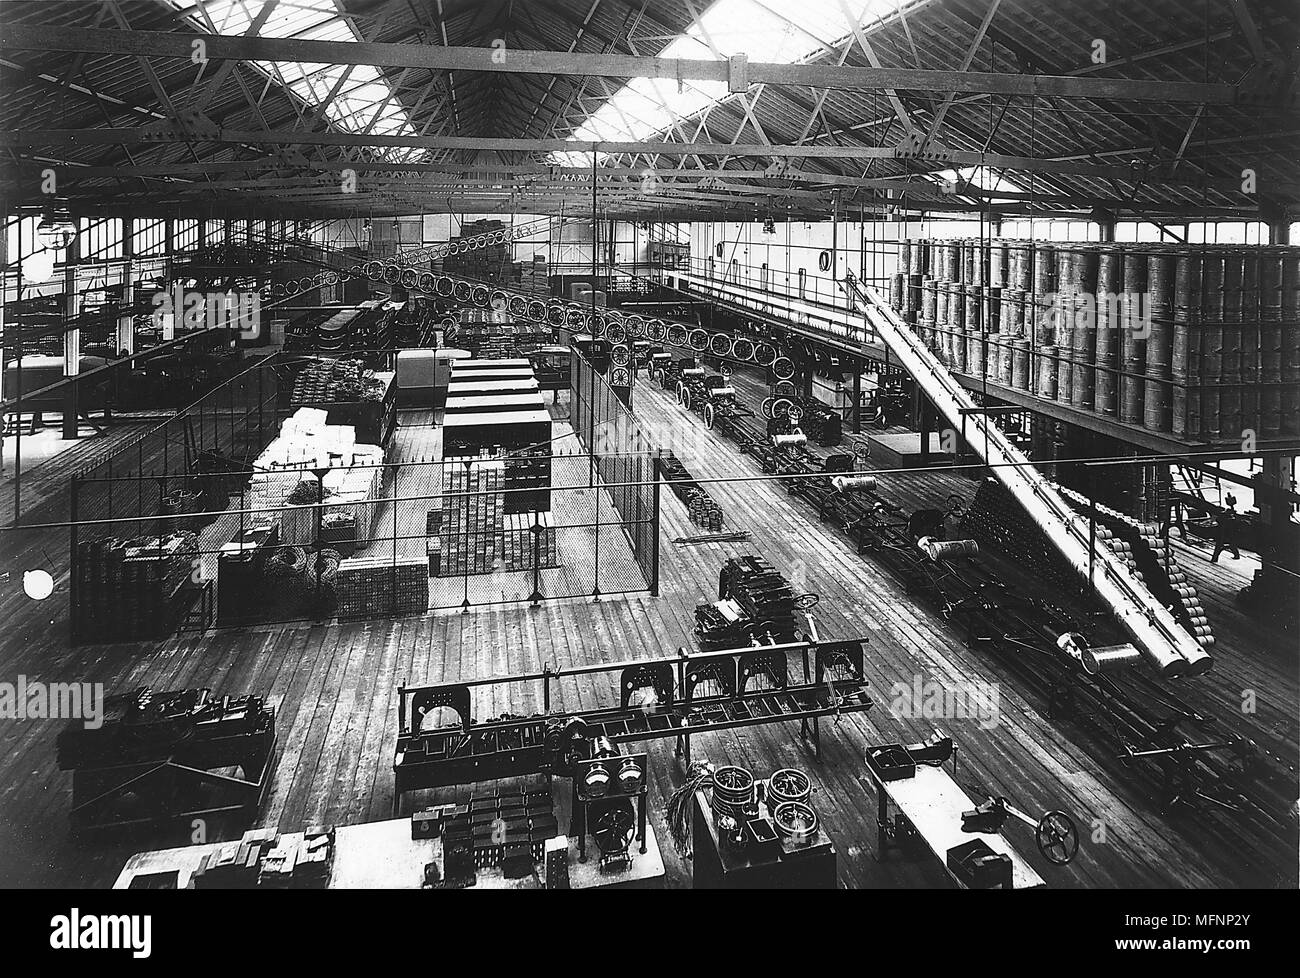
x=1055 y=833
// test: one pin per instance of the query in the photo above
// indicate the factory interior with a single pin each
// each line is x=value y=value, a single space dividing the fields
x=649 y=444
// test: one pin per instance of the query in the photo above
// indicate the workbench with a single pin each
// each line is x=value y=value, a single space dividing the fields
x=382 y=855
x=717 y=867
x=932 y=804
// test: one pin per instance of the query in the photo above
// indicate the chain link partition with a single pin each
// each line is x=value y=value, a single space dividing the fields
x=622 y=457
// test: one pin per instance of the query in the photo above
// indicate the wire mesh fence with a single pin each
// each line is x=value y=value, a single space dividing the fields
x=155 y=553
x=622 y=457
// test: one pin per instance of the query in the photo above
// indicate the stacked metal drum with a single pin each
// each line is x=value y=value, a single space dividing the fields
x=1198 y=341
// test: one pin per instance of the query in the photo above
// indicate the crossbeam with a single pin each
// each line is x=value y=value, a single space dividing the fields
x=177 y=44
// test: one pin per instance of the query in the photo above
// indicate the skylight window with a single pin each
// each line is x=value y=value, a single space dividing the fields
x=979 y=176
x=755 y=28
x=365 y=103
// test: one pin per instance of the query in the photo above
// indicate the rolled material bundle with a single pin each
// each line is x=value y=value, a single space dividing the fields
x=854 y=483
x=948 y=549
x=787 y=440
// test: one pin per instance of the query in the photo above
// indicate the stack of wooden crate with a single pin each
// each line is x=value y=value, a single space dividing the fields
x=473 y=516
x=517 y=549
x=534 y=276
x=131 y=589
x=374 y=587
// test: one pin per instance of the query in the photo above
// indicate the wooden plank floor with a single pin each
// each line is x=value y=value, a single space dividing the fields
x=333 y=687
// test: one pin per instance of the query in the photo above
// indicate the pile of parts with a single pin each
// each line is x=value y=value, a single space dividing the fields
x=755 y=605
x=751 y=833
x=296 y=860
x=702 y=509
x=502 y=828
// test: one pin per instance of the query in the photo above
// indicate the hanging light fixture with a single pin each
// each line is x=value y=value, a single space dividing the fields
x=56 y=229
x=769 y=226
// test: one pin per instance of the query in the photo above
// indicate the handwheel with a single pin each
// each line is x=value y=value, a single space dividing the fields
x=806 y=602
x=1057 y=837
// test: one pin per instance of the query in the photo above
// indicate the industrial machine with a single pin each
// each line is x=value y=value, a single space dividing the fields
x=160 y=757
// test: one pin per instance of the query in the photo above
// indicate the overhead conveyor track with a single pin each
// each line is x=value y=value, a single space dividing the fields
x=1170 y=649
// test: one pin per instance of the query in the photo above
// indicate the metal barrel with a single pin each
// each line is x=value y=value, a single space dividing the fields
x=905 y=257
x=1291 y=341
x=1185 y=302
x=1047 y=372
x=1270 y=342
x=952 y=257
x=929 y=299
x=1006 y=360
x=1087 y=264
x=1248 y=340
x=992 y=308
x=916 y=257
x=970 y=323
x=1133 y=337
x=1044 y=257
x=1066 y=268
x=1020 y=364
x=956 y=306
x=1230 y=370
x=1084 y=349
x=1168 y=270
x=914 y=293
x=1110 y=282
x=896 y=291
x=1064 y=364
x=1212 y=264
x=1020 y=266
x=970 y=252
x=975 y=347
x=978 y=265
x=998 y=255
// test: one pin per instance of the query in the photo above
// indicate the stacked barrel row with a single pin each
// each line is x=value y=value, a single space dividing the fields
x=1199 y=341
